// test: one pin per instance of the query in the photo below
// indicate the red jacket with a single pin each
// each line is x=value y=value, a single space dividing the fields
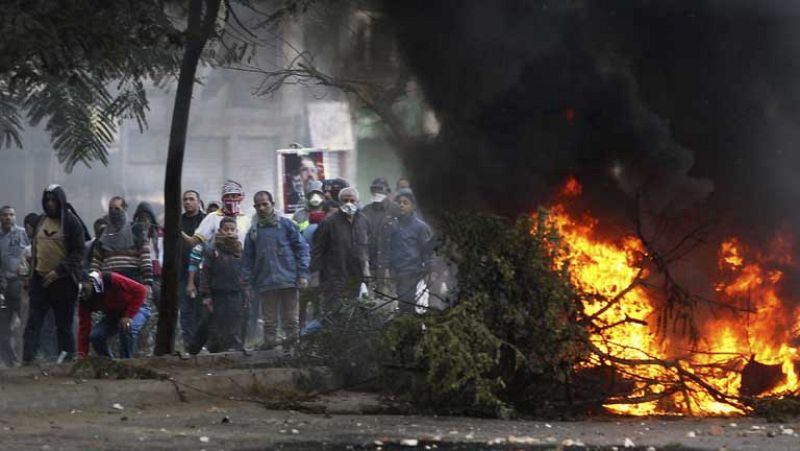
x=122 y=297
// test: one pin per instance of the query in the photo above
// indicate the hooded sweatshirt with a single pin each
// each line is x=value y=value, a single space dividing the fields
x=71 y=231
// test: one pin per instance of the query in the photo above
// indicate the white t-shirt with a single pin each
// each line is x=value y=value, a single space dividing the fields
x=207 y=229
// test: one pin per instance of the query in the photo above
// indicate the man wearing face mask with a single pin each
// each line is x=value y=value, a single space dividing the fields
x=314 y=199
x=57 y=264
x=380 y=214
x=340 y=253
x=232 y=197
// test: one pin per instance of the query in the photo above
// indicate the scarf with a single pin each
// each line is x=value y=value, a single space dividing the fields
x=270 y=221
x=228 y=244
x=118 y=235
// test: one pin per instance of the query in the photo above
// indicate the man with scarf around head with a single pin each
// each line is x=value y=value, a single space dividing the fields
x=120 y=300
x=275 y=265
x=119 y=250
x=339 y=252
x=56 y=265
x=223 y=289
x=232 y=197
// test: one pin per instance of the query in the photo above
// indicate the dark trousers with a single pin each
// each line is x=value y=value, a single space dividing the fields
x=334 y=292
x=9 y=312
x=189 y=309
x=220 y=327
x=406 y=287
x=60 y=296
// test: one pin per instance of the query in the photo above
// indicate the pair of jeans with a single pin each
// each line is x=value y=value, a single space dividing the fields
x=109 y=326
x=60 y=297
x=188 y=309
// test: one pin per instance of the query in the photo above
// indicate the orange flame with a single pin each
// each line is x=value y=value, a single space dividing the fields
x=758 y=325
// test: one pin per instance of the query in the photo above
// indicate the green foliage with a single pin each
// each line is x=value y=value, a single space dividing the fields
x=512 y=340
x=79 y=66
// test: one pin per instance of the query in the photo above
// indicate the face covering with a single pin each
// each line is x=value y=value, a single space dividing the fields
x=117 y=217
x=315 y=200
x=378 y=197
x=230 y=207
x=349 y=208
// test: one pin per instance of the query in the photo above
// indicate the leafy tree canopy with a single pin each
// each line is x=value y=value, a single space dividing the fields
x=79 y=66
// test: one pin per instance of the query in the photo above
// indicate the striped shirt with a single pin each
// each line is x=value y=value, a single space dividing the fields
x=132 y=263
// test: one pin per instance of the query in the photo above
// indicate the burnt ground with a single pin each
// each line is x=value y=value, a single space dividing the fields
x=212 y=406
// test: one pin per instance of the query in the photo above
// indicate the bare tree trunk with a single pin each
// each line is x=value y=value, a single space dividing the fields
x=202 y=16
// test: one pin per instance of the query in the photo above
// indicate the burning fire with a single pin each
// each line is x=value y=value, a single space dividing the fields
x=751 y=335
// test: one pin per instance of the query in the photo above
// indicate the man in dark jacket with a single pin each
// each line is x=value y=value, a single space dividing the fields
x=339 y=252
x=410 y=250
x=275 y=265
x=57 y=256
x=187 y=294
x=380 y=214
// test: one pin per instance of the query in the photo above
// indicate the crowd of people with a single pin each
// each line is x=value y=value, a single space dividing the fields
x=263 y=279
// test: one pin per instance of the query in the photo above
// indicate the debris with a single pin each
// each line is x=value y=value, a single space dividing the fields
x=377 y=443
x=295 y=431
x=547 y=425
x=409 y=442
x=651 y=448
x=123 y=418
x=691 y=434
x=524 y=440
x=204 y=439
x=226 y=420
x=117 y=406
x=716 y=430
x=733 y=425
x=628 y=443
x=787 y=431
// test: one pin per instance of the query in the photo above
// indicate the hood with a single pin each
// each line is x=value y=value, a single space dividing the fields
x=60 y=195
x=146 y=208
x=64 y=207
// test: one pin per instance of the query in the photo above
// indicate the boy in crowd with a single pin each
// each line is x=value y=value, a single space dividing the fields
x=223 y=292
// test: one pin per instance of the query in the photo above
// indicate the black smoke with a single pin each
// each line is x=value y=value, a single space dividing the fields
x=694 y=104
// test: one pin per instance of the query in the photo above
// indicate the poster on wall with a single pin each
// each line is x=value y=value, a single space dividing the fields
x=299 y=169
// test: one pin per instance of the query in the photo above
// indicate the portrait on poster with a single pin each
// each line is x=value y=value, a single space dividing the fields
x=299 y=170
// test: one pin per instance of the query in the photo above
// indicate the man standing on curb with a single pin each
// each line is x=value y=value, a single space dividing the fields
x=13 y=241
x=275 y=264
x=56 y=267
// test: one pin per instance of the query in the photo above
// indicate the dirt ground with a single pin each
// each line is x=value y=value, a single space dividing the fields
x=48 y=409
x=215 y=425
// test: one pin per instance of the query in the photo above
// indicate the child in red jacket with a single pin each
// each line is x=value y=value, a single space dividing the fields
x=122 y=302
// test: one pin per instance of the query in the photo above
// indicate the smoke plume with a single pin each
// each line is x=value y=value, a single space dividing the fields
x=690 y=103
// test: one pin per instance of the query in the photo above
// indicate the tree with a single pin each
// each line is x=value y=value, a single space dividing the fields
x=199 y=29
x=80 y=66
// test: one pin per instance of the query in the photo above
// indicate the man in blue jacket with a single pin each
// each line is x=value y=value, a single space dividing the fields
x=409 y=250
x=275 y=264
